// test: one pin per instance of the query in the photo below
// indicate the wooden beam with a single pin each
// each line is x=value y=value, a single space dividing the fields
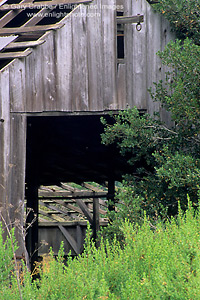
x=6 y=40
x=69 y=238
x=64 y=201
x=130 y=19
x=111 y=194
x=91 y=187
x=44 y=213
x=32 y=221
x=79 y=238
x=11 y=14
x=43 y=4
x=55 y=209
x=103 y=222
x=12 y=55
x=95 y=220
x=85 y=210
x=68 y=194
x=21 y=30
x=24 y=44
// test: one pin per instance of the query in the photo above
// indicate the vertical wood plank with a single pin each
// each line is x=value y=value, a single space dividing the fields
x=17 y=177
x=17 y=85
x=95 y=56
x=109 y=49
x=4 y=140
x=80 y=68
x=136 y=58
x=121 y=86
x=128 y=52
x=154 y=63
x=34 y=80
x=32 y=220
x=63 y=60
x=48 y=73
x=79 y=238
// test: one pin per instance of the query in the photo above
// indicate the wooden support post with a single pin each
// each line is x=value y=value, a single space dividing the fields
x=111 y=194
x=32 y=222
x=79 y=238
x=95 y=219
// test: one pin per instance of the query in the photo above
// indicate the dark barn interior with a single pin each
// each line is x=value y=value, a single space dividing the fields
x=67 y=149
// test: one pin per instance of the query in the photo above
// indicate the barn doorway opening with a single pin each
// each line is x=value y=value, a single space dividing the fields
x=65 y=149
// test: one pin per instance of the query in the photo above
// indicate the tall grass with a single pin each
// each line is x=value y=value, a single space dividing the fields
x=163 y=263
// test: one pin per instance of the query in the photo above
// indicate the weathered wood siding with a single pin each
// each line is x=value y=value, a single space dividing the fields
x=75 y=69
x=143 y=66
x=12 y=163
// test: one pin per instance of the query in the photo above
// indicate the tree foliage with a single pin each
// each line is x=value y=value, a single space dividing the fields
x=184 y=17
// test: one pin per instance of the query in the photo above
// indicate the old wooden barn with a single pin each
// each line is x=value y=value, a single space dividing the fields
x=64 y=64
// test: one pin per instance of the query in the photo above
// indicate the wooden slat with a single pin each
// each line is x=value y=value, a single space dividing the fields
x=67 y=187
x=64 y=48
x=11 y=14
x=80 y=96
x=21 y=30
x=66 y=194
x=34 y=80
x=2 y=2
x=5 y=130
x=48 y=75
x=79 y=238
x=75 y=208
x=69 y=205
x=44 y=213
x=95 y=57
x=95 y=219
x=63 y=201
x=6 y=40
x=16 y=45
x=11 y=55
x=109 y=50
x=39 y=5
x=121 y=85
x=37 y=17
x=130 y=19
x=128 y=53
x=70 y=239
x=91 y=187
x=55 y=209
x=18 y=85
x=85 y=210
x=16 y=175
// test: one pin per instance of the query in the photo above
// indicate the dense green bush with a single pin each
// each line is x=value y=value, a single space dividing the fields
x=154 y=263
x=183 y=15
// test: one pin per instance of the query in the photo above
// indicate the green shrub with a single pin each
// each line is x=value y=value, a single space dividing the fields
x=183 y=15
x=154 y=263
